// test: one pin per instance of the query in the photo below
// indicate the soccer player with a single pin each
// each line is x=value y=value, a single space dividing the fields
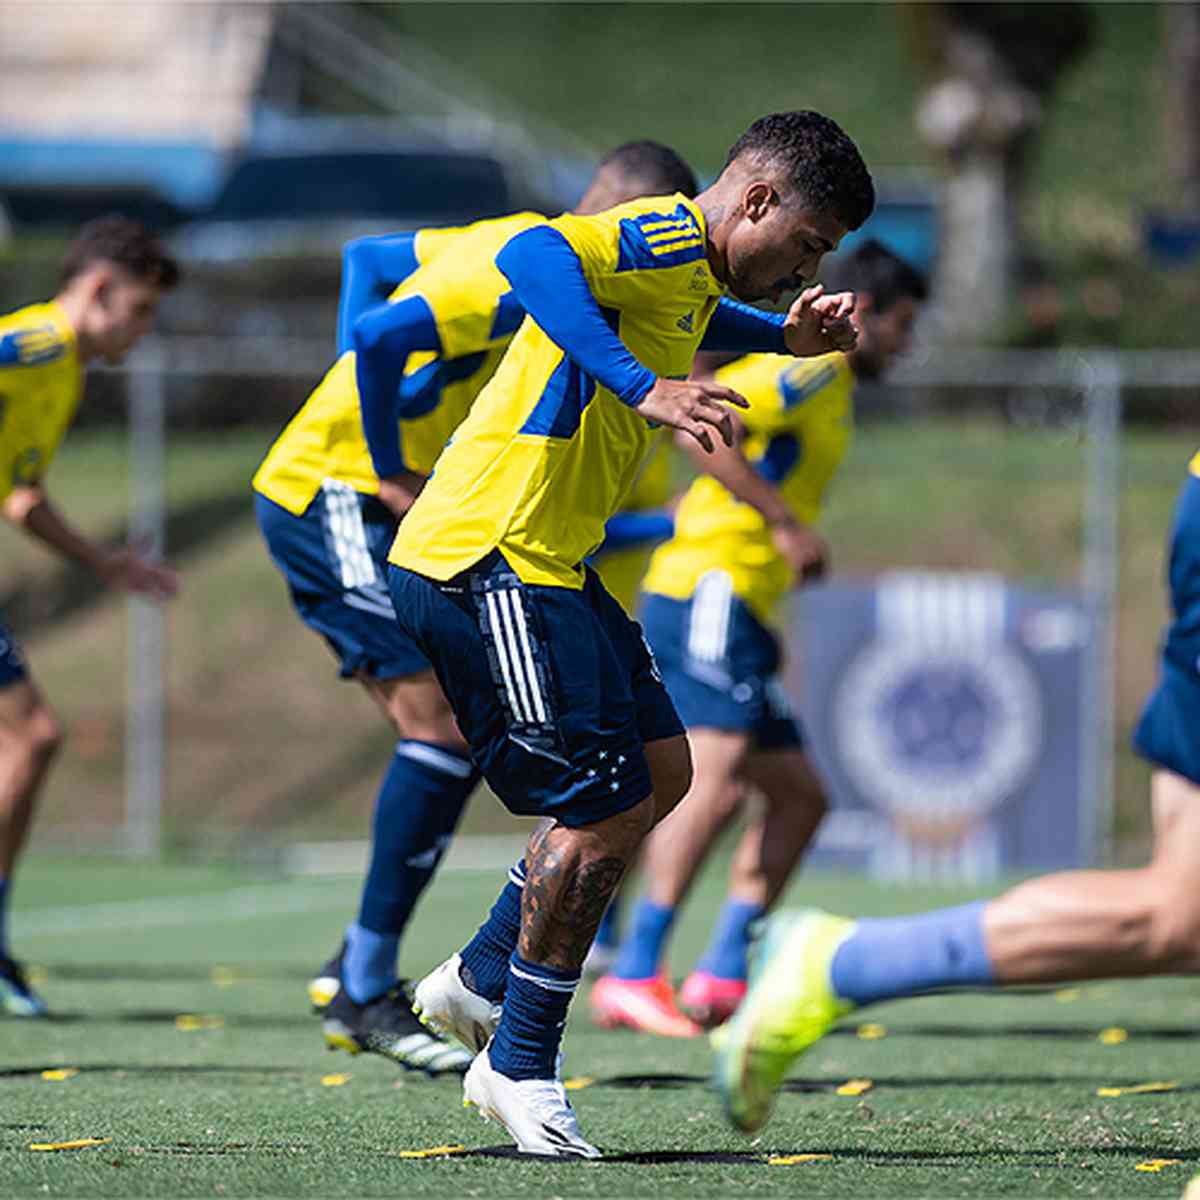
x=113 y=278
x=550 y=680
x=815 y=967
x=328 y=496
x=743 y=538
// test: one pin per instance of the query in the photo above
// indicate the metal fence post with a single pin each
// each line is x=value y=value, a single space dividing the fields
x=1101 y=380
x=144 y=729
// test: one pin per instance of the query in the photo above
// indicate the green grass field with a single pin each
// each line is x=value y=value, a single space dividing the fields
x=981 y=1095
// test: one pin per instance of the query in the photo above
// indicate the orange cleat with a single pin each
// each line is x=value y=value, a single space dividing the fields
x=710 y=1000
x=647 y=1005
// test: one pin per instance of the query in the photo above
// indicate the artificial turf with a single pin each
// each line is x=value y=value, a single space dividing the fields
x=183 y=1045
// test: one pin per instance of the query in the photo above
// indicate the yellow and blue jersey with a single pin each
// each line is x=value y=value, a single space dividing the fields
x=799 y=426
x=464 y=291
x=41 y=382
x=547 y=453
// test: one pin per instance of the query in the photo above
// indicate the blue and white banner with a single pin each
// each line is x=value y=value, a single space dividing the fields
x=945 y=711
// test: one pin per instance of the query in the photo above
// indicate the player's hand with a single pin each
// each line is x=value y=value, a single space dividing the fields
x=399 y=492
x=133 y=570
x=694 y=406
x=817 y=323
x=804 y=550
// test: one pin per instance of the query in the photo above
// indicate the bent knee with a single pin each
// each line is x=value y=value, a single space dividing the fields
x=671 y=773
x=1172 y=926
x=39 y=736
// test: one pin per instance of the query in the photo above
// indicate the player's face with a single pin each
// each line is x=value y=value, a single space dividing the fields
x=883 y=336
x=125 y=309
x=777 y=245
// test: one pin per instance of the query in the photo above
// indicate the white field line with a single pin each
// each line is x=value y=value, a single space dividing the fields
x=134 y=916
x=247 y=903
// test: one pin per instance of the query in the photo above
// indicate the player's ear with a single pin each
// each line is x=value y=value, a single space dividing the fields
x=757 y=198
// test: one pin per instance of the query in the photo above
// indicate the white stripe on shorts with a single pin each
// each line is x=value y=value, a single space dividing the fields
x=708 y=630
x=493 y=613
x=343 y=518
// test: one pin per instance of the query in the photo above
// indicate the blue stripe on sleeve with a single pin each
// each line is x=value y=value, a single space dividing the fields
x=636 y=529
x=372 y=268
x=548 y=279
x=383 y=339
x=655 y=240
x=740 y=327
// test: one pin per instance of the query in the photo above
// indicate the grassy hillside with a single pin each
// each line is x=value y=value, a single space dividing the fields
x=695 y=75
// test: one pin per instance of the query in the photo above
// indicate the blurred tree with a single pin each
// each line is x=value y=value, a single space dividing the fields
x=992 y=69
x=1181 y=30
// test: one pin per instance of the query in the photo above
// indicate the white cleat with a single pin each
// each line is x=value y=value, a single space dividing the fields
x=535 y=1111
x=446 y=1005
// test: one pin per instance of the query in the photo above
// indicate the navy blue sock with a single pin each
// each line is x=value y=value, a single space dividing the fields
x=725 y=956
x=530 y=1031
x=888 y=957
x=609 y=933
x=485 y=958
x=3 y=916
x=643 y=944
x=419 y=803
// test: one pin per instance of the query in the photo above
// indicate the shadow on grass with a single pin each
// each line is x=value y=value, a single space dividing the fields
x=110 y=972
x=168 y=1016
x=762 y=1157
x=1143 y=1032
x=156 y=1069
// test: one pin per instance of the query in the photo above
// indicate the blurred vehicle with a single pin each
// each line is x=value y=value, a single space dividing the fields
x=297 y=203
x=63 y=208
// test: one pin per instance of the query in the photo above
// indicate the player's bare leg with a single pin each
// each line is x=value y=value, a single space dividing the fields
x=773 y=844
x=29 y=739
x=790 y=803
x=677 y=850
x=417 y=708
x=1084 y=924
x=635 y=993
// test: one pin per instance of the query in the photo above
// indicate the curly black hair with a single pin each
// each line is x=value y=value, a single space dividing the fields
x=117 y=239
x=657 y=168
x=817 y=157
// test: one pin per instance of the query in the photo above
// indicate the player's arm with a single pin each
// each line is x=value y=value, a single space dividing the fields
x=29 y=508
x=627 y=529
x=372 y=268
x=548 y=279
x=383 y=339
x=815 y=324
x=803 y=549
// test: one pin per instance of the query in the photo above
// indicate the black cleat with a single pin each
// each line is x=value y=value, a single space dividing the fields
x=17 y=998
x=387 y=1026
x=327 y=982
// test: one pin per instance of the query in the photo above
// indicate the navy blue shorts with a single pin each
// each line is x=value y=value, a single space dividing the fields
x=555 y=690
x=334 y=558
x=12 y=663
x=721 y=664
x=1168 y=733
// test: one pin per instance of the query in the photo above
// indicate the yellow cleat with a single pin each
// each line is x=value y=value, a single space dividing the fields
x=790 y=1005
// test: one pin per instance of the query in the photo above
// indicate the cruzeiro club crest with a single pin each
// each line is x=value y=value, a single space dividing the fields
x=937 y=722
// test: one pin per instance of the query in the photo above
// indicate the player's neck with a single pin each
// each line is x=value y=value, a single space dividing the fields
x=74 y=302
x=717 y=203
